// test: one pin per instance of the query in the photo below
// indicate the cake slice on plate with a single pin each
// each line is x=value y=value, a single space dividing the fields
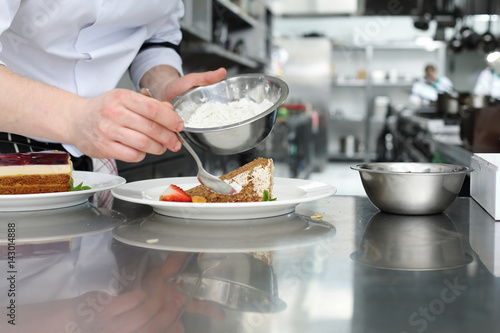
x=250 y=180
x=37 y=172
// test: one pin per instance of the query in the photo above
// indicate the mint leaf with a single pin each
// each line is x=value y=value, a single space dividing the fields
x=267 y=197
x=79 y=187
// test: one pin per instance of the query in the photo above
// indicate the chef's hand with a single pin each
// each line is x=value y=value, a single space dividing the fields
x=126 y=125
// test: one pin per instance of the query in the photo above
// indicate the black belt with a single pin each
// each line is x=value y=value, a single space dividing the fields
x=13 y=143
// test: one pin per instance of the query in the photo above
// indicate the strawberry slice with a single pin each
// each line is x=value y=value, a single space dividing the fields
x=175 y=193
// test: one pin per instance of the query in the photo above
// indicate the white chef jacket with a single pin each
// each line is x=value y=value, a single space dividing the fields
x=86 y=46
x=423 y=92
x=488 y=84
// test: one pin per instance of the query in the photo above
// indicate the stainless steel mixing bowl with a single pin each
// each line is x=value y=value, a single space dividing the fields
x=242 y=136
x=412 y=188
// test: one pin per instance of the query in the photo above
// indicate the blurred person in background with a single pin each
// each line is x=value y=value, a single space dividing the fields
x=488 y=81
x=426 y=90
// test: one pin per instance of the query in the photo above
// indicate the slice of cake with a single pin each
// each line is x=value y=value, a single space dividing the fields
x=252 y=179
x=39 y=172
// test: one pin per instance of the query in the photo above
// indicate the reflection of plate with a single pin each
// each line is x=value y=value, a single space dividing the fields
x=289 y=193
x=97 y=181
x=264 y=234
x=53 y=224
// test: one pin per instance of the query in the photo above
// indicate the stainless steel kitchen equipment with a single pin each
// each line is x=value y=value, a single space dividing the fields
x=412 y=188
x=242 y=136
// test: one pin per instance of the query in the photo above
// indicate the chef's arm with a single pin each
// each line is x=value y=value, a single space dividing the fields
x=119 y=124
x=28 y=107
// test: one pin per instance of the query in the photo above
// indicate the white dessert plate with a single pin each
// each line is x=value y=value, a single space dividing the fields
x=27 y=202
x=60 y=223
x=162 y=232
x=288 y=191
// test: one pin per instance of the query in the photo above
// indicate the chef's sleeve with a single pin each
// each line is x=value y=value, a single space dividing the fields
x=162 y=48
x=8 y=10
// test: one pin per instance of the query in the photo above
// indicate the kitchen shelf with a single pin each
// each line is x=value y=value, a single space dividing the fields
x=206 y=25
x=234 y=15
x=201 y=50
x=363 y=83
x=393 y=84
x=358 y=83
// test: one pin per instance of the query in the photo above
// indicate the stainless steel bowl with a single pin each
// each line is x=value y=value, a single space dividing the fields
x=242 y=136
x=412 y=188
x=413 y=243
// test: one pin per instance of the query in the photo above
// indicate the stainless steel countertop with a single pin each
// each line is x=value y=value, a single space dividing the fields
x=322 y=281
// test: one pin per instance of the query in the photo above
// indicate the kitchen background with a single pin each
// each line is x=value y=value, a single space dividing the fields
x=350 y=66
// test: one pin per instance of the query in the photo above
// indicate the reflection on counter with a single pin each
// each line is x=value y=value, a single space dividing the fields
x=61 y=223
x=237 y=281
x=162 y=232
x=403 y=242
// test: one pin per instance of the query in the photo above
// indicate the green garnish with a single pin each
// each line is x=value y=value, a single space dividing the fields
x=79 y=187
x=267 y=197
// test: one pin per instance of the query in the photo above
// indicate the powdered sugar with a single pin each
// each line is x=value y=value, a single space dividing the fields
x=219 y=114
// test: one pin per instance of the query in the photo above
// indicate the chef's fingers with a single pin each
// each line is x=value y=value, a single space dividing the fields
x=146 y=135
x=183 y=84
x=111 y=149
x=203 y=79
x=119 y=105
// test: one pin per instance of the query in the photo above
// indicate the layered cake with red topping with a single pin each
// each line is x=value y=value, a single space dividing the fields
x=250 y=180
x=37 y=172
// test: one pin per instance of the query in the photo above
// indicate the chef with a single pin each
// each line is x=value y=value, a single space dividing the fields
x=426 y=89
x=488 y=83
x=60 y=62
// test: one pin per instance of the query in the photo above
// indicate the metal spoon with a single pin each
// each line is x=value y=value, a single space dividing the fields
x=214 y=183
x=206 y=261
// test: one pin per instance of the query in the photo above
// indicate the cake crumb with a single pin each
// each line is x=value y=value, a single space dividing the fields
x=317 y=216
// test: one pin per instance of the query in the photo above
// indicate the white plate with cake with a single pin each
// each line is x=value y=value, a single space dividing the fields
x=41 y=180
x=96 y=181
x=252 y=180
